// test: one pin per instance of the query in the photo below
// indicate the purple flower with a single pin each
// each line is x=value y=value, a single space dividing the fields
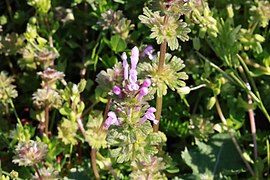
x=144 y=91
x=133 y=87
x=148 y=51
x=149 y=115
x=112 y=119
x=146 y=82
x=125 y=65
x=134 y=58
x=133 y=75
x=117 y=90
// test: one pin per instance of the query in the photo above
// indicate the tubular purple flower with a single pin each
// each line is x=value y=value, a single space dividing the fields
x=146 y=83
x=144 y=91
x=133 y=76
x=124 y=56
x=149 y=115
x=133 y=87
x=117 y=91
x=125 y=65
x=112 y=119
x=148 y=51
x=134 y=57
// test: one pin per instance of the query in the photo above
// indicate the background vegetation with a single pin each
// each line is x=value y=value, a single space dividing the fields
x=58 y=79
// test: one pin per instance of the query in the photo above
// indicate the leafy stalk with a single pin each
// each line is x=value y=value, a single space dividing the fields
x=161 y=64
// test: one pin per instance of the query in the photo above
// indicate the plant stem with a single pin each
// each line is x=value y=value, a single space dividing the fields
x=158 y=112
x=15 y=112
x=252 y=82
x=9 y=9
x=251 y=115
x=161 y=64
x=253 y=128
x=108 y=166
x=223 y=119
x=36 y=169
x=47 y=109
x=108 y=105
x=47 y=120
x=94 y=163
x=93 y=150
x=198 y=87
x=256 y=65
x=80 y=124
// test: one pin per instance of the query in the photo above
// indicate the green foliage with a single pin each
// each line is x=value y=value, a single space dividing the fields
x=134 y=144
x=67 y=132
x=117 y=44
x=211 y=158
x=72 y=109
x=7 y=89
x=94 y=136
x=162 y=30
x=170 y=76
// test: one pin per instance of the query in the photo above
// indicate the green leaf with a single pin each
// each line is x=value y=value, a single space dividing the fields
x=82 y=85
x=65 y=110
x=117 y=44
x=217 y=155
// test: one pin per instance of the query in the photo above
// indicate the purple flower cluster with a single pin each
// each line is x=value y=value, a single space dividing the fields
x=131 y=85
x=130 y=76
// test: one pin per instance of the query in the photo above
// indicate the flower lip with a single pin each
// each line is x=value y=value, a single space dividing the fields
x=111 y=120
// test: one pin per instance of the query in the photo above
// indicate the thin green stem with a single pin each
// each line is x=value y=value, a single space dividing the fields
x=253 y=85
x=15 y=112
x=257 y=66
x=9 y=8
x=217 y=68
x=158 y=112
x=243 y=85
x=223 y=119
x=268 y=153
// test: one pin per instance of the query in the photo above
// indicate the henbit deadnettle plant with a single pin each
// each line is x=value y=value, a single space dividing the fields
x=47 y=174
x=30 y=153
x=130 y=136
x=115 y=22
x=47 y=97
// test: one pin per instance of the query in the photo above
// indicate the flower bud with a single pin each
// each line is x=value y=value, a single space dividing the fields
x=146 y=82
x=134 y=57
x=144 y=91
x=117 y=91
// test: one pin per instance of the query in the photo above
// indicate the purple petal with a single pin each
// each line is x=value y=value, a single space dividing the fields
x=134 y=57
x=146 y=83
